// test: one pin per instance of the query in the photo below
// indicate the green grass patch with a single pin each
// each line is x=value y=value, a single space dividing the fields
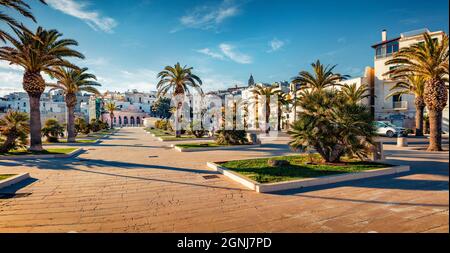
x=49 y=151
x=200 y=145
x=5 y=176
x=206 y=145
x=160 y=132
x=259 y=170
x=167 y=135
x=62 y=141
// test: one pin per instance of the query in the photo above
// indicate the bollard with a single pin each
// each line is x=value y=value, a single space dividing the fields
x=402 y=142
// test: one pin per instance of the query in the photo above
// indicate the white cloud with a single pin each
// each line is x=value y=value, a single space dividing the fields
x=342 y=40
x=276 y=45
x=229 y=51
x=7 y=66
x=140 y=79
x=93 y=18
x=209 y=17
x=209 y=52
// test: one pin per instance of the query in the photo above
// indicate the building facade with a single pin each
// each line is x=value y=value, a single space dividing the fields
x=400 y=110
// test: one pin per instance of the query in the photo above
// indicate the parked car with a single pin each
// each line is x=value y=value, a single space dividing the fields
x=390 y=130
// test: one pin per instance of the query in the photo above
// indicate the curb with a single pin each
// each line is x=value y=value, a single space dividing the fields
x=193 y=139
x=14 y=180
x=236 y=147
x=27 y=157
x=74 y=144
x=302 y=183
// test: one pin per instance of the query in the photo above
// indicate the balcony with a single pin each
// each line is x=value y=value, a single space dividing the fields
x=400 y=105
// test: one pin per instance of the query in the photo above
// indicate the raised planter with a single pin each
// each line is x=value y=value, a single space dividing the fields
x=50 y=156
x=236 y=147
x=308 y=182
x=74 y=144
x=186 y=139
x=13 y=180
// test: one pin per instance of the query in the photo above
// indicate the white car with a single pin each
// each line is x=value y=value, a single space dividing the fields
x=388 y=129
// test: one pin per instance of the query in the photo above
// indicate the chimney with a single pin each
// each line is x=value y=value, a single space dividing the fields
x=383 y=35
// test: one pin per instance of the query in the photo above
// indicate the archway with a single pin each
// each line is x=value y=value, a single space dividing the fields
x=132 y=120
x=125 y=120
x=120 y=120
x=138 y=121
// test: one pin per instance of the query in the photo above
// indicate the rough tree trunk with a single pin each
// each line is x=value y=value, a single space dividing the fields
x=267 y=116
x=35 y=123
x=435 y=99
x=34 y=85
x=111 y=117
x=435 y=134
x=420 y=107
x=71 y=101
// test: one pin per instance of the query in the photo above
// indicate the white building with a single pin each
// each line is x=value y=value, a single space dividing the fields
x=398 y=109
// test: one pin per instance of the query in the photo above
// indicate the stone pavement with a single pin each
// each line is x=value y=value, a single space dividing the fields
x=133 y=183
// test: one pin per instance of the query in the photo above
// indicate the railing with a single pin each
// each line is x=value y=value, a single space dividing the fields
x=400 y=105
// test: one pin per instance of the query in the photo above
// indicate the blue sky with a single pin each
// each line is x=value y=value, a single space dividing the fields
x=128 y=42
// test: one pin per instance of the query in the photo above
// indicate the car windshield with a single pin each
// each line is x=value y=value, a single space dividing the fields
x=389 y=124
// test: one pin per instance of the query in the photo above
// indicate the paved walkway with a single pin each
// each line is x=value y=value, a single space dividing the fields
x=133 y=183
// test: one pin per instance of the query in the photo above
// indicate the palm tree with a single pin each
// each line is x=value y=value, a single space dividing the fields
x=414 y=85
x=19 y=6
x=284 y=101
x=14 y=125
x=37 y=53
x=110 y=107
x=178 y=79
x=430 y=61
x=71 y=82
x=52 y=130
x=332 y=126
x=321 y=78
x=354 y=94
x=266 y=92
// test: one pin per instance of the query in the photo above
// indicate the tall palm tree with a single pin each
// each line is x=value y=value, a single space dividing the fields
x=14 y=126
x=266 y=92
x=321 y=78
x=19 y=6
x=354 y=93
x=40 y=52
x=414 y=85
x=111 y=107
x=71 y=82
x=178 y=79
x=284 y=101
x=429 y=60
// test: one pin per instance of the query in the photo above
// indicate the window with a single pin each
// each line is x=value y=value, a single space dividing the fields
x=387 y=49
x=392 y=48
x=392 y=68
x=395 y=100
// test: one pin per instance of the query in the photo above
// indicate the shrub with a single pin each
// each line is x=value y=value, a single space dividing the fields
x=98 y=125
x=81 y=126
x=332 y=126
x=199 y=133
x=163 y=125
x=15 y=127
x=231 y=137
x=52 y=130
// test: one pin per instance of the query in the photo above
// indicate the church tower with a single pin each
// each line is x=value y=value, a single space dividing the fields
x=251 y=81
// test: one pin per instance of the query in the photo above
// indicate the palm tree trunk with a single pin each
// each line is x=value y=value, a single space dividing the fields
x=435 y=130
x=35 y=122
x=267 y=116
x=111 y=117
x=71 y=136
x=419 y=120
x=8 y=144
